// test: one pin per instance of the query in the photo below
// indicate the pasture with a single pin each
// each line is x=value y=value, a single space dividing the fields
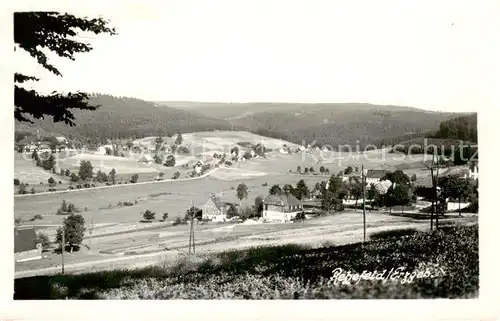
x=173 y=197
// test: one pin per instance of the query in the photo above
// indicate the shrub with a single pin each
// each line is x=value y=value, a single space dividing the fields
x=71 y=187
x=134 y=178
x=165 y=216
x=32 y=190
x=86 y=185
x=393 y=233
x=16 y=182
x=51 y=181
x=128 y=204
x=148 y=215
x=36 y=217
x=178 y=221
x=176 y=175
x=60 y=182
x=265 y=184
x=17 y=221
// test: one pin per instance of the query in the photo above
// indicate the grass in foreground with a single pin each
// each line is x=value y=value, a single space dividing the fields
x=288 y=272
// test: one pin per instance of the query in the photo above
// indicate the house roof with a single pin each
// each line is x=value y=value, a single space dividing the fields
x=424 y=181
x=25 y=239
x=217 y=201
x=281 y=199
x=376 y=173
x=461 y=171
x=145 y=157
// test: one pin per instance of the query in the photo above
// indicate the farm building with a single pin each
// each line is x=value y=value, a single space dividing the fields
x=62 y=140
x=215 y=209
x=281 y=207
x=27 y=245
x=462 y=171
x=374 y=175
x=145 y=159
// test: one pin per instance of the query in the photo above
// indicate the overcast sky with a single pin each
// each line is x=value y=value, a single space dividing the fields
x=427 y=54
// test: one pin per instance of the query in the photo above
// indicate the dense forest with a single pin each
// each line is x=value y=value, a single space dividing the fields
x=315 y=124
x=452 y=135
x=124 y=117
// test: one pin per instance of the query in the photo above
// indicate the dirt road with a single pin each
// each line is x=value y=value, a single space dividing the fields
x=328 y=233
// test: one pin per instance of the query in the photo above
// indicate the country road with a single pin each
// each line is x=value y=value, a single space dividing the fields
x=116 y=186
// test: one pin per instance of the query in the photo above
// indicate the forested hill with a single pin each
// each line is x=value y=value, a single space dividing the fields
x=320 y=124
x=462 y=128
x=128 y=117
x=325 y=123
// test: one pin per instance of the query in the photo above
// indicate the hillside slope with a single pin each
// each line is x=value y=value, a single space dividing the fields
x=334 y=124
x=127 y=117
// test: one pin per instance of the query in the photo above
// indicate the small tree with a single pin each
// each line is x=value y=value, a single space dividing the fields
x=170 y=161
x=16 y=182
x=275 y=189
x=322 y=169
x=158 y=159
x=348 y=170
x=301 y=191
x=165 y=216
x=67 y=172
x=176 y=175
x=112 y=176
x=311 y=169
x=64 y=206
x=86 y=170
x=148 y=215
x=259 y=206
x=21 y=189
x=179 y=139
x=74 y=230
x=74 y=177
x=44 y=239
x=101 y=177
x=241 y=192
x=134 y=178
x=306 y=170
x=299 y=169
x=109 y=151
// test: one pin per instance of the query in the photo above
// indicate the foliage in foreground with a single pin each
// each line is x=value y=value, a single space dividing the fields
x=287 y=272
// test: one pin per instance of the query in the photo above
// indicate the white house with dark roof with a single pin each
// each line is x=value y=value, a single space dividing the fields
x=374 y=175
x=27 y=245
x=281 y=208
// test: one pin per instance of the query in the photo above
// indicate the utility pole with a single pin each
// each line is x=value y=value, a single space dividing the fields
x=363 y=191
x=91 y=229
x=62 y=250
x=191 y=229
x=438 y=205
x=433 y=189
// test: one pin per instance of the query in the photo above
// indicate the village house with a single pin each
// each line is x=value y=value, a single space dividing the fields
x=198 y=167
x=215 y=209
x=145 y=159
x=281 y=208
x=27 y=245
x=374 y=175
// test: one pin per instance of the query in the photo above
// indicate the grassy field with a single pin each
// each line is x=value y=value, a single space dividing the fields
x=440 y=264
x=173 y=197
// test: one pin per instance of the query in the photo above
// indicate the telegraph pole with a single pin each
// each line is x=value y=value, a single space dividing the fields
x=363 y=191
x=62 y=250
x=433 y=188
